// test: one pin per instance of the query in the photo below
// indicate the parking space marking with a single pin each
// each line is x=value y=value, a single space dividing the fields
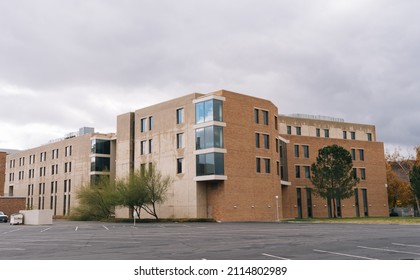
x=76 y=229
x=12 y=231
x=406 y=245
x=105 y=227
x=275 y=257
x=388 y=250
x=44 y=230
x=12 y=249
x=341 y=254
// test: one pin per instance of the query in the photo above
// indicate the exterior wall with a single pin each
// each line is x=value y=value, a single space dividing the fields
x=25 y=174
x=2 y=171
x=373 y=163
x=246 y=195
x=11 y=205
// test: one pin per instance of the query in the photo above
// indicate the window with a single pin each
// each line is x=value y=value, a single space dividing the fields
x=326 y=133
x=67 y=167
x=258 y=165
x=179 y=142
x=210 y=164
x=306 y=151
x=363 y=173
x=289 y=130
x=318 y=132
x=353 y=135
x=207 y=111
x=100 y=164
x=68 y=151
x=257 y=140
x=150 y=146
x=101 y=146
x=297 y=171
x=298 y=130
x=150 y=123
x=277 y=145
x=307 y=172
x=354 y=173
x=142 y=168
x=266 y=141
x=257 y=116
x=143 y=147
x=267 y=165
x=353 y=154
x=55 y=154
x=265 y=117
x=179 y=115
x=276 y=124
x=344 y=134
x=296 y=150
x=179 y=165
x=278 y=168
x=143 y=125
x=369 y=136
x=361 y=154
x=209 y=137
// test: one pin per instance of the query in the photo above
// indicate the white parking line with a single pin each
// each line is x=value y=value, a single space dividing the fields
x=105 y=227
x=275 y=257
x=345 y=255
x=76 y=229
x=388 y=250
x=44 y=230
x=12 y=249
x=12 y=231
x=406 y=245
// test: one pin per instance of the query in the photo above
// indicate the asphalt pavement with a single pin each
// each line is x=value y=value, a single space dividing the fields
x=69 y=240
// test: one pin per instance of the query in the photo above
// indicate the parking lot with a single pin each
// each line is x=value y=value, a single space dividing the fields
x=214 y=241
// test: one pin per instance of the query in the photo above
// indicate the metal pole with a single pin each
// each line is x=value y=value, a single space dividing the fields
x=277 y=208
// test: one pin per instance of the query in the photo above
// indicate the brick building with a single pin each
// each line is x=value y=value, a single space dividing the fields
x=232 y=157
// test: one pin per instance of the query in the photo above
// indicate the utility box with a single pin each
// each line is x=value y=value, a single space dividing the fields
x=16 y=219
x=38 y=217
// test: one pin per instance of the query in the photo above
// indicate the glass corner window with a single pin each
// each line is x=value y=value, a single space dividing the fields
x=207 y=111
x=210 y=164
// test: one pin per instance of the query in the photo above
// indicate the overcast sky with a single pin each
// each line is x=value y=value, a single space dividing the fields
x=69 y=64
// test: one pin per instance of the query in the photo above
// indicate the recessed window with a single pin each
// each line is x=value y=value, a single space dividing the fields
x=150 y=145
x=143 y=125
x=353 y=154
x=179 y=165
x=265 y=117
x=369 y=136
x=307 y=172
x=143 y=147
x=179 y=141
x=354 y=173
x=296 y=150
x=305 y=151
x=318 y=132
x=361 y=154
x=150 y=123
x=258 y=165
x=266 y=141
x=257 y=116
x=289 y=130
x=267 y=163
x=326 y=133
x=179 y=115
x=297 y=171
x=344 y=134
x=257 y=140
x=353 y=135
x=298 y=130
x=276 y=124
x=363 y=173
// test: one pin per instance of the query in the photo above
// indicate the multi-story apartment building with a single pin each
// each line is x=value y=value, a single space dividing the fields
x=301 y=138
x=232 y=157
x=49 y=176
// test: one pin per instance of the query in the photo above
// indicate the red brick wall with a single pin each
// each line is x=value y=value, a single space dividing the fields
x=2 y=172
x=10 y=205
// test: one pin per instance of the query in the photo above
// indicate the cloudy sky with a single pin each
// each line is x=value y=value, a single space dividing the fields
x=68 y=64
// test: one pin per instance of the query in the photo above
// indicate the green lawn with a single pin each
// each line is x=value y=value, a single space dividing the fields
x=369 y=220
